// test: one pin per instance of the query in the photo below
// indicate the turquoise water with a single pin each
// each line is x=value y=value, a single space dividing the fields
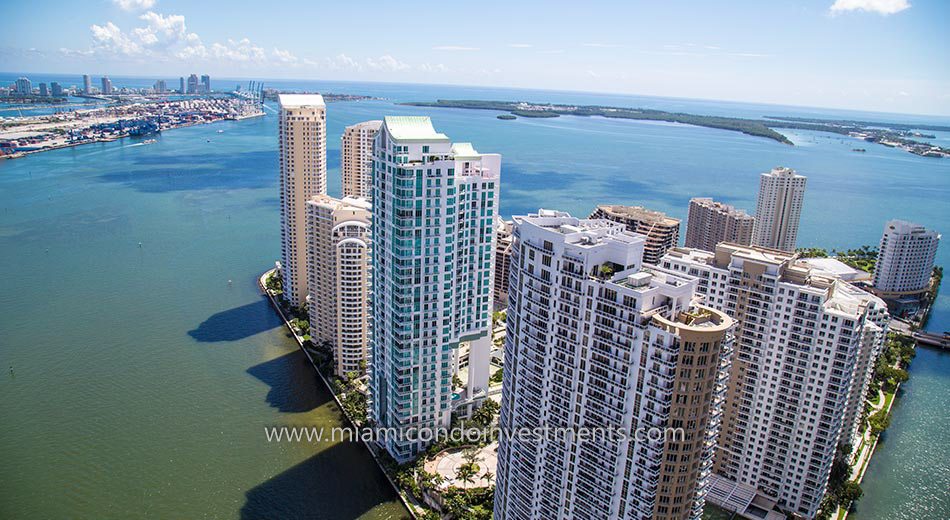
x=909 y=476
x=143 y=380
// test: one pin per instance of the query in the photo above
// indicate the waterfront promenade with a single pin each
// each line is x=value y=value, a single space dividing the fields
x=262 y=284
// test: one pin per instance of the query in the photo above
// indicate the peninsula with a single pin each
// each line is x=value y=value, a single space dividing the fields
x=893 y=135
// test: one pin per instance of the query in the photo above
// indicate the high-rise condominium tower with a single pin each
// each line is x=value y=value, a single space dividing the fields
x=86 y=84
x=192 y=84
x=181 y=85
x=503 y=246
x=661 y=232
x=205 y=84
x=595 y=341
x=779 y=208
x=710 y=222
x=806 y=342
x=906 y=258
x=433 y=207
x=303 y=174
x=106 y=85
x=357 y=158
x=338 y=267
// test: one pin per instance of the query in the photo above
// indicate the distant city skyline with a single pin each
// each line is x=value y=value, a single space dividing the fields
x=821 y=53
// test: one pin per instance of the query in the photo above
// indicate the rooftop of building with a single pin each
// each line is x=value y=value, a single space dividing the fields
x=837 y=268
x=907 y=227
x=413 y=128
x=580 y=232
x=344 y=203
x=639 y=213
x=375 y=124
x=301 y=100
x=726 y=208
x=782 y=171
x=464 y=151
x=820 y=273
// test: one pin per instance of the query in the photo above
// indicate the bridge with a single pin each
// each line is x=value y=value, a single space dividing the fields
x=933 y=340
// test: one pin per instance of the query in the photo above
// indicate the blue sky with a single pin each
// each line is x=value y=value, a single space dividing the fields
x=887 y=55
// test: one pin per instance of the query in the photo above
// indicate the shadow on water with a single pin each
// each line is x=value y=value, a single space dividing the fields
x=160 y=173
x=294 y=386
x=339 y=483
x=237 y=323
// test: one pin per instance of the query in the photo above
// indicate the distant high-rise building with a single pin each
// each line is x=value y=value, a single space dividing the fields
x=86 y=84
x=106 y=85
x=192 y=84
x=160 y=87
x=205 y=84
x=905 y=260
x=805 y=349
x=710 y=222
x=303 y=174
x=595 y=341
x=44 y=91
x=503 y=247
x=433 y=207
x=56 y=89
x=338 y=267
x=779 y=208
x=24 y=87
x=357 y=158
x=181 y=87
x=662 y=232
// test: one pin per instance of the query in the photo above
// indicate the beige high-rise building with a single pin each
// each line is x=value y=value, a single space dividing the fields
x=503 y=244
x=357 y=158
x=303 y=174
x=805 y=348
x=710 y=222
x=339 y=269
x=779 y=209
x=662 y=232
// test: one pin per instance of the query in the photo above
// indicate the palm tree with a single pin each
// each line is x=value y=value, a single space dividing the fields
x=465 y=472
x=488 y=476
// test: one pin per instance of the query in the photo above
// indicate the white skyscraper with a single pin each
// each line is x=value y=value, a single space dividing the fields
x=806 y=342
x=595 y=340
x=779 y=208
x=86 y=84
x=303 y=174
x=356 y=161
x=338 y=268
x=905 y=261
x=433 y=207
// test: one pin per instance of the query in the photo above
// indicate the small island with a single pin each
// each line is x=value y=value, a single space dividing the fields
x=506 y=117
x=894 y=135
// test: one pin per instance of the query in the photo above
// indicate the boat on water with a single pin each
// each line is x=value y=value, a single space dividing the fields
x=149 y=141
x=220 y=131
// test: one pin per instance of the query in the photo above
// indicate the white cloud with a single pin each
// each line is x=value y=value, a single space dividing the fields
x=454 y=48
x=884 y=7
x=284 y=56
x=134 y=5
x=110 y=38
x=428 y=67
x=386 y=62
x=166 y=38
x=520 y=45
x=600 y=45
